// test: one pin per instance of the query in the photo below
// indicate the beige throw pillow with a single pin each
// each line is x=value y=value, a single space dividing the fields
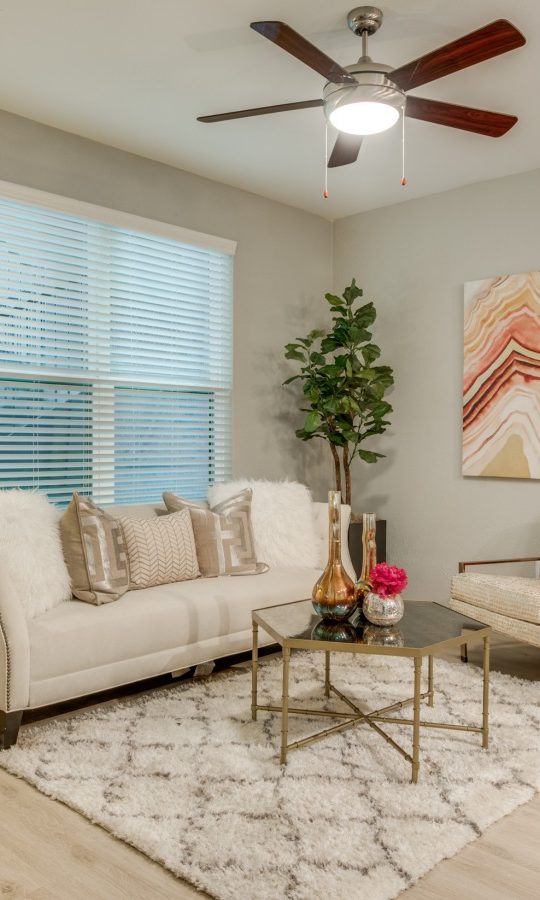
x=160 y=550
x=94 y=551
x=223 y=535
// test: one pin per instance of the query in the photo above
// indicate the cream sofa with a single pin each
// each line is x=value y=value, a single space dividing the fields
x=77 y=649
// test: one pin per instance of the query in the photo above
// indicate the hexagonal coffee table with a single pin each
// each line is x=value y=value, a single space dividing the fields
x=426 y=629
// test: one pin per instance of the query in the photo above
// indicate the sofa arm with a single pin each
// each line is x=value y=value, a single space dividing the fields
x=14 y=649
x=496 y=562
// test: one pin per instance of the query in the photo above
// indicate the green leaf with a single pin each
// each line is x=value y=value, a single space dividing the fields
x=369 y=456
x=291 y=379
x=313 y=422
x=352 y=292
x=365 y=315
x=295 y=354
x=357 y=334
x=334 y=300
x=370 y=353
x=330 y=405
x=328 y=344
x=315 y=334
x=317 y=359
x=331 y=371
x=381 y=409
x=337 y=439
x=377 y=390
x=366 y=374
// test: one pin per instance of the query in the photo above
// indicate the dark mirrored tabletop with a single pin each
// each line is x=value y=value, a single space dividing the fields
x=425 y=628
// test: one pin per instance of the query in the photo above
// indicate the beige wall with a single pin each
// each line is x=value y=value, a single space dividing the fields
x=412 y=260
x=283 y=263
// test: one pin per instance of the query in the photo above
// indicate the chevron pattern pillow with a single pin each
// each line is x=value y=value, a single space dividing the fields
x=160 y=550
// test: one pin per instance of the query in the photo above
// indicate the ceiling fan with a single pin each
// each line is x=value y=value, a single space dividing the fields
x=368 y=97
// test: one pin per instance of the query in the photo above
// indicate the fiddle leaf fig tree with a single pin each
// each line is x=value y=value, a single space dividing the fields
x=343 y=389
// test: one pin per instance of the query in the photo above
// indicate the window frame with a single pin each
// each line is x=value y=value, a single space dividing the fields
x=123 y=220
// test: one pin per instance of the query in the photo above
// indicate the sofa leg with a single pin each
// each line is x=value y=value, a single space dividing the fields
x=9 y=728
x=464 y=654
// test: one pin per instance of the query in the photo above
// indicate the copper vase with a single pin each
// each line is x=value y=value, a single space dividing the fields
x=334 y=595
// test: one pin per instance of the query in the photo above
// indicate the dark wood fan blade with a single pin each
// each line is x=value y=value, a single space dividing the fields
x=260 y=111
x=289 y=39
x=492 y=40
x=346 y=150
x=481 y=121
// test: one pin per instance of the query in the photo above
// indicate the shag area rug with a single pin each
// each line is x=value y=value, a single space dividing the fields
x=184 y=775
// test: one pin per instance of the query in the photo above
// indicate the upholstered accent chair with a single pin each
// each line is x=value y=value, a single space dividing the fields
x=509 y=603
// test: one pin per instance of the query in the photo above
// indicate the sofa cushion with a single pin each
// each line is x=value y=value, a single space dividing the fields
x=512 y=596
x=76 y=636
x=160 y=550
x=515 y=628
x=282 y=518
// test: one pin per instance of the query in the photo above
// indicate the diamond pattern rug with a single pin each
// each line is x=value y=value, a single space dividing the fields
x=184 y=775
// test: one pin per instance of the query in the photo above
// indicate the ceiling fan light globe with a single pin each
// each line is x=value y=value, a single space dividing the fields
x=373 y=105
x=364 y=117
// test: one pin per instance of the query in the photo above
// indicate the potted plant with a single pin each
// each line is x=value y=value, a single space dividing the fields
x=343 y=386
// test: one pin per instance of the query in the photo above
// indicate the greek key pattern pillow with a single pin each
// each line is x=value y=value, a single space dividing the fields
x=160 y=550
x=94 y=552
x=223 y=535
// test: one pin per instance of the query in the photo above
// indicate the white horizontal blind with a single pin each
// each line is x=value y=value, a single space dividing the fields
x=115 y=359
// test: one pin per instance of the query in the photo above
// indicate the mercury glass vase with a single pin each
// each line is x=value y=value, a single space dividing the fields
x=380 y=636
x=334 y=595
x=383 y=610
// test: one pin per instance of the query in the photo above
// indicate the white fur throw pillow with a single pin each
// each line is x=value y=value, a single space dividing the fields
x=282 y=521
x=31 y=551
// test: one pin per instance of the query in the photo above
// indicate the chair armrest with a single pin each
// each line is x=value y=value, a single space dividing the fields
x=14 y=648
x=491 y=562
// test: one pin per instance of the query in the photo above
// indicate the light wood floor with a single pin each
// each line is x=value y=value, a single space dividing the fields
x=49 y=852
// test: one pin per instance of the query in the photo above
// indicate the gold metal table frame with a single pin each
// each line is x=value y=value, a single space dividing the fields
x=354 y=715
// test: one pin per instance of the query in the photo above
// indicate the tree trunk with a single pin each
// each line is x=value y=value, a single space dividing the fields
x=337 y=466
x=347 y=470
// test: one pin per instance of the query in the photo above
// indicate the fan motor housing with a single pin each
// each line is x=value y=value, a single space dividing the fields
x=373 y=84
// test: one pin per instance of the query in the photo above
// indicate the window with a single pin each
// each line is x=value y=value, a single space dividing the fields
x=115 y=355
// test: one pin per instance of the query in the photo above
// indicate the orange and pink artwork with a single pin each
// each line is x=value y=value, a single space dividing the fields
x=501 y=385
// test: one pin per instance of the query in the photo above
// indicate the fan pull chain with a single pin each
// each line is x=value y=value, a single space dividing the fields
x=403 y=176
x=325 y=192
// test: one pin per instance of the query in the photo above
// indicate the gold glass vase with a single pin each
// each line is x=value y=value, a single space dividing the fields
x=369 y=553
x=334 y=595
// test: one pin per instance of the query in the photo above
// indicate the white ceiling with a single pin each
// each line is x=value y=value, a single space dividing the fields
x=136 y=73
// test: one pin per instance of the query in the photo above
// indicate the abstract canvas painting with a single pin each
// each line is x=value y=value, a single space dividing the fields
x=501 y=386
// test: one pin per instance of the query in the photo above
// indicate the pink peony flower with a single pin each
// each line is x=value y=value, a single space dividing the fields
x=387 y=581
